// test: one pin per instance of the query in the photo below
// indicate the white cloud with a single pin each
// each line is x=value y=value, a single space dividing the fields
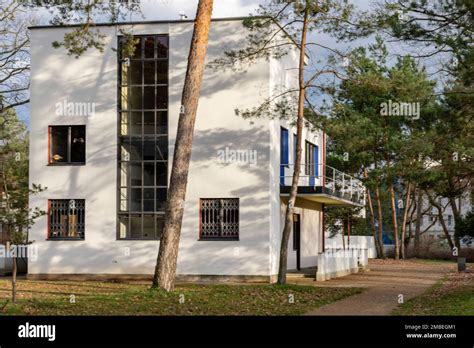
x=169 y=9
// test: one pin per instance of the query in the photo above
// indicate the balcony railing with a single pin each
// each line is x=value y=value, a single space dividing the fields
x=331 y=180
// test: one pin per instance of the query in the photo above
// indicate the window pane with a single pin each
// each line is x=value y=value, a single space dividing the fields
x=135 y=226
x=124 y=75
x=149 y=98
x=162 y=72
x=73 y=219
x=138 y=48
x=136 y=70
x=124 y=170
x=124 y=95
x=123 y=199
x=136 y=199
x=136 y=174
x=149 y=122
x=136 y=123
x=123 y=226
x=162 y=42
x=149 y=149
x=136 y=98
x=148 y=199
x=124 y=123
x=78 y=144
x=161 y=199
x=162 y=97
x=161 y=174
x=149 y=74
x=150 y=47
x=162 y=148
x=148 y=174
x=148 y=226
x=59 y=143
x=125 y=150
x=136 y=149
x=284 y=159
x=162 y=122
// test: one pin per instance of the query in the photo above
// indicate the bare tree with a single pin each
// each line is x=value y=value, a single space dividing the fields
x=14 y=56
x=440 y=210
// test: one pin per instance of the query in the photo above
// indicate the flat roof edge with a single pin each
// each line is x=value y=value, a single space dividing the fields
x=110 y=24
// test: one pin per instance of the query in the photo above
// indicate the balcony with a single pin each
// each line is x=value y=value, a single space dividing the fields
x=323 y=184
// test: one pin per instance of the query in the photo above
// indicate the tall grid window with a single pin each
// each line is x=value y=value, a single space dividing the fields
x=143 y=139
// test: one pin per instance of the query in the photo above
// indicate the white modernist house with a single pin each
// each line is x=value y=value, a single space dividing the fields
x=102 y=139
x=431 y=228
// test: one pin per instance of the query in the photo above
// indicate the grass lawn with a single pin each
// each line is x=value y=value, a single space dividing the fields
x=453 y=295
x=108 y=298
x=436 y=262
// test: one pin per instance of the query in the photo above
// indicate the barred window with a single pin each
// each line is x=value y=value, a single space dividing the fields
x=219 y=218
x=66 y=218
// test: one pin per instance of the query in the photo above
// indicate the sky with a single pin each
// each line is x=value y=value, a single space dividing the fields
x=171 y=9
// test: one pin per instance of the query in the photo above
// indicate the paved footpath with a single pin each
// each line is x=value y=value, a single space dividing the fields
x=383 y=284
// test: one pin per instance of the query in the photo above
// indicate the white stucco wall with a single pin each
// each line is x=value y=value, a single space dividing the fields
x=284 y=77
x=357 y=242
x=93 y=78
x=310 y=233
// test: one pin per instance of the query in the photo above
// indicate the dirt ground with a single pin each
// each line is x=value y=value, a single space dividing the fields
x=384 y=282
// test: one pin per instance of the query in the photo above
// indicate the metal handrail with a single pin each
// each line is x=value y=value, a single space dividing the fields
x=318 y=174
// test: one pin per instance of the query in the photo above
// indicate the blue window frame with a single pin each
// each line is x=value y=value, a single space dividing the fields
x=312 y=159
x=295 y=140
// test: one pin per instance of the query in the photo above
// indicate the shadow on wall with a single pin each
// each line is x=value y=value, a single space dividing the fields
x=250 y=183
x=223 y=38
x=105 y=257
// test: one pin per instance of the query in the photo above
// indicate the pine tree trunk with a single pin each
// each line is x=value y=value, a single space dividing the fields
x=441 y=220
x=297 y=165
x=380 y=218
x=372 y=217
x=457 y=218
x=343 y=232
x=419 y=207
x=165 y=270
x=394 y=221
x=14 y=279
x=348 y=233
x=404 y=223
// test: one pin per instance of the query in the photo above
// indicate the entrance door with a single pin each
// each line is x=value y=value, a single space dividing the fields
x=297 y=239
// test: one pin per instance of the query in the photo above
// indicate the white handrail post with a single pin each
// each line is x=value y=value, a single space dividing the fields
x=333 y=179
x=343 y=184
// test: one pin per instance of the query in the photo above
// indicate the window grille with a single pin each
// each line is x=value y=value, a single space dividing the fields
x=219 y=218
x=66 y=218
